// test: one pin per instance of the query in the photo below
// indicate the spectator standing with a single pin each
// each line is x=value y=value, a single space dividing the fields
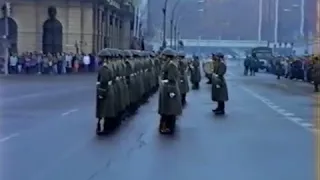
x=86 y=62
x=13 y=60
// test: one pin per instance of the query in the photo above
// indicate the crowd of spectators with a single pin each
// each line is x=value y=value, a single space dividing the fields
x=38 y=63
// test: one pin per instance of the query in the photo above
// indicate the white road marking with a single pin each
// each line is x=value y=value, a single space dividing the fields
x=69 y=112
x=9 y=137
x=288 y=115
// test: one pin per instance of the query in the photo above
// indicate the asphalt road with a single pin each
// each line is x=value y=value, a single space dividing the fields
x=47 y=133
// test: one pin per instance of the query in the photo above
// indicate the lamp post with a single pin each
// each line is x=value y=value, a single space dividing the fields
x=171 y=22
x=7 y=8
x=164 y=11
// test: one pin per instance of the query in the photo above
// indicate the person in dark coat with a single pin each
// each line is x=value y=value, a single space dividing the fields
x=183 y=83
x=316 y=74
x=253 y=64
x=195 y=73
x=278 y=68
x=246 y=65
x=219 y=91
x=105 y=109
x=169 y=95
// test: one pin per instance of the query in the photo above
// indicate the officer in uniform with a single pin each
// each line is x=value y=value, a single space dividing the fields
x=169 y=96
x=195 y=74
x=219 y=91
x=105 y=109
x=183 y=83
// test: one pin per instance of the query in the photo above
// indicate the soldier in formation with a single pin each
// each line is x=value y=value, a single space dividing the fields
x=195 y=74
x=125 y=81
x=183 y=83
x=219 y=91
x=170 y=101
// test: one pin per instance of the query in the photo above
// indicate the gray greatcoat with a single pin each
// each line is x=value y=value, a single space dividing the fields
x=183 y=84
x=195 y=72
x=105 y=93
x=219 y=90
x=170 y=105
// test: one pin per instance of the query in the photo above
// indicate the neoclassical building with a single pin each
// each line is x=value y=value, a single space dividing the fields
x=69 y=25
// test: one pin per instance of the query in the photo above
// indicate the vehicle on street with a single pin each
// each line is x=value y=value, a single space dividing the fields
x=264 y=55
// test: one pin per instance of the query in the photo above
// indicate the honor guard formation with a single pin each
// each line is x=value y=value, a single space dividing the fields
x=128 y=78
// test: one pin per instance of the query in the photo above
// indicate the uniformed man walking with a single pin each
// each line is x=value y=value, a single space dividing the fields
x=169 y=96
x=105 y=109
x=219 y=92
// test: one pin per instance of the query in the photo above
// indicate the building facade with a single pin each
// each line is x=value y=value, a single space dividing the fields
x=76 y=26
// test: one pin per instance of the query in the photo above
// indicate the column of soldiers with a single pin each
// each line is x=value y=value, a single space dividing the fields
x=125 y=81
x=129 y=77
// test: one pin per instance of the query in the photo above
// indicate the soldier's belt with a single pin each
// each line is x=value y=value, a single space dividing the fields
x=165 y=81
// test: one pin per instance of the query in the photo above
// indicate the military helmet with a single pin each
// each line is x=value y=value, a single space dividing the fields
x=127 y=53
x=104 y=53
x=181 y=54
x=169 y=52
x=220 y=55
x=135 y=53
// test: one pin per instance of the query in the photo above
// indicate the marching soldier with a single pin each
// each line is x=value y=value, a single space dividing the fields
x=169 y=96
x=219 y=91
x=195 y=74
x=183 y=83
x=105 y=109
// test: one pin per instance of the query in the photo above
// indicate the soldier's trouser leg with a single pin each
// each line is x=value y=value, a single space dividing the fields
x=221 y=106
x=246 y=69
x=104 y=125
x=172 y=123
x=195 y=85
x=163 y=126
x=316 y=87
x=183 y=98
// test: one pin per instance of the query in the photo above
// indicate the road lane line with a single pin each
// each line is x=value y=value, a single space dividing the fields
x=69 y=112
x=9 y=137
x=289 y=116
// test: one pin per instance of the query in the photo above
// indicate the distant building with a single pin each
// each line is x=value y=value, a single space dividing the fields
x=83 y=26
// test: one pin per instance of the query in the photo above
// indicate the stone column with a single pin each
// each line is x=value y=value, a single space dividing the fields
x=73 y=28
x=126 y=37
x=87 y=28
x=107 y=27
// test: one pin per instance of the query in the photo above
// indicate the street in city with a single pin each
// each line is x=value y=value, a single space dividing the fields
x=47 y=132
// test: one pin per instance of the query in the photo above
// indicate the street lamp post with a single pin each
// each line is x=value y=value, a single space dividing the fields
x=276 y=22
x=164 y=11
x=171 y=21
x=175 y=36
x=260 y=21
x=7 y=8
